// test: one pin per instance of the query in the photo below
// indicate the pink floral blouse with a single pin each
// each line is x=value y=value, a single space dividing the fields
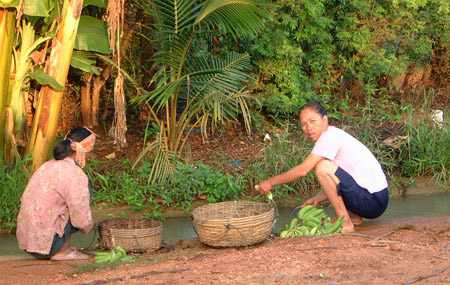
x=56 y=191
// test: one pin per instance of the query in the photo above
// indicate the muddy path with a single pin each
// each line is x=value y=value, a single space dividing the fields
x=413 y=249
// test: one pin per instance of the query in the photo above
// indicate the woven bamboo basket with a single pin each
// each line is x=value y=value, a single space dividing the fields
x=234 y=223
x=133 y=235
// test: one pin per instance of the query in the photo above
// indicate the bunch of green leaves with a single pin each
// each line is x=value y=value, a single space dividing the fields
x=120 y=186
x=13 y=181
x=191 y=182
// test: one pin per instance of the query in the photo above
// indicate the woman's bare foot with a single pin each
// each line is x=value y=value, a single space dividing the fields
x=356 y=220
x=74 y=255
x=347 y=226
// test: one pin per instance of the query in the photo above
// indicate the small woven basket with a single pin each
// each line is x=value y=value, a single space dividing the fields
x=234 y=223
x=133 y=235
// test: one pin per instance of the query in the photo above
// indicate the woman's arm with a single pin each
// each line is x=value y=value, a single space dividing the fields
x=292 y=174
x=78 y=201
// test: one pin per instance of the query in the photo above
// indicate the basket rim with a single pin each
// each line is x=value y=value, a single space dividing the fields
x=155 y=224
x=270 y=208
x=131 y=239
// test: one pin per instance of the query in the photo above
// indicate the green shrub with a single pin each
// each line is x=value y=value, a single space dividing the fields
x=190 y=182
x=318 y=49
x=118 y=185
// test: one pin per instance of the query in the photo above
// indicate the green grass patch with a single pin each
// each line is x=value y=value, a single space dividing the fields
x=13 y=181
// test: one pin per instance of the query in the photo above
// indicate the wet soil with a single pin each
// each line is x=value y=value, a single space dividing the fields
x=401 y=251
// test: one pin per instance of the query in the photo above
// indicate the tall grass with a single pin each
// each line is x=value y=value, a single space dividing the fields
x=427 y=152
x=13 y=180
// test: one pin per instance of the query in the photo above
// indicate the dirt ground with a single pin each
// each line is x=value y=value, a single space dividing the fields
x=402 y=251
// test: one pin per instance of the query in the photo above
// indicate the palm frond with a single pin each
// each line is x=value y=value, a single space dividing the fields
x=173 y=30
x=163 y=160
x=229 y=81
x=160 y=95
x=211 y=85
x=111 y=62
x=238 y=17
x=172 y=16
x=174 y=51
x=217 y=107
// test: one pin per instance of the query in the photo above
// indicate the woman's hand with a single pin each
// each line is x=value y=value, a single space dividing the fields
x=312 y=201
x=263 y=188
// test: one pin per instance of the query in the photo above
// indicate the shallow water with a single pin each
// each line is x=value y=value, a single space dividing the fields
x=412 y=206
x=182 y=228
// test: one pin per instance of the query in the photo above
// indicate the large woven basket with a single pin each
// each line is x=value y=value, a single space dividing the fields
x=235 y=223
x=133 y=235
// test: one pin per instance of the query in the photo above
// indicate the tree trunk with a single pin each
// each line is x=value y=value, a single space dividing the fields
x=99 y=82
x=86 y=101
x=47 y=114
x=7 y=23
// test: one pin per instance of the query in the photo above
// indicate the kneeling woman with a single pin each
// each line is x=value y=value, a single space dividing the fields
x=56 y=201
x=350 y=175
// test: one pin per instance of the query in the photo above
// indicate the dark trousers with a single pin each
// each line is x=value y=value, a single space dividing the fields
x=58 y=242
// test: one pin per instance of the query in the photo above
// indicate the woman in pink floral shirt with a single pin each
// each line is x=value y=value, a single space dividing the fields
x=55 y=203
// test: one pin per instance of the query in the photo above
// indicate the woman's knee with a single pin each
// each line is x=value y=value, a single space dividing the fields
x=325 y=167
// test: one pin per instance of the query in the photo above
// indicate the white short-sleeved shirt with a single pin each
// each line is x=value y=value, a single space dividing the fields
x=352 y=156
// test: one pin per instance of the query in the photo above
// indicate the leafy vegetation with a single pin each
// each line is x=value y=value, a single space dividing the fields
x=120 y=186
x=330 y=50
x=426 y=152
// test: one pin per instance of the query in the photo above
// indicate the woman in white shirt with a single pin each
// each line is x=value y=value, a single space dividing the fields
x=351 y=177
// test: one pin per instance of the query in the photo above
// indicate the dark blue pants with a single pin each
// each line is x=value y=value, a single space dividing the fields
x=358 y=200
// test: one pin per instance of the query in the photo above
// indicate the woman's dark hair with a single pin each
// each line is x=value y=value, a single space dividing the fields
x=63 y=148
x=316 y=106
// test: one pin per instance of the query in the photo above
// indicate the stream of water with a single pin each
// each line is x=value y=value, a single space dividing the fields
x=177 y=229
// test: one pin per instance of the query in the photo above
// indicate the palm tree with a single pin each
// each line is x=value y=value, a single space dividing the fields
x=210 y=85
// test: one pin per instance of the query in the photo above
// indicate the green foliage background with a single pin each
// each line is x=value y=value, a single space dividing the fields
x=324 y=49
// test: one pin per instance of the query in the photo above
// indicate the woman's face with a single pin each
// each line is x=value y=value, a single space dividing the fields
x=313 y=124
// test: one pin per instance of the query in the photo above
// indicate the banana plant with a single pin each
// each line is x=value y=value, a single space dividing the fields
x=23 y=65
x=211 y=86
x=7 y=24
x=45 y=121
x=27 y=59
x=20 y=72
